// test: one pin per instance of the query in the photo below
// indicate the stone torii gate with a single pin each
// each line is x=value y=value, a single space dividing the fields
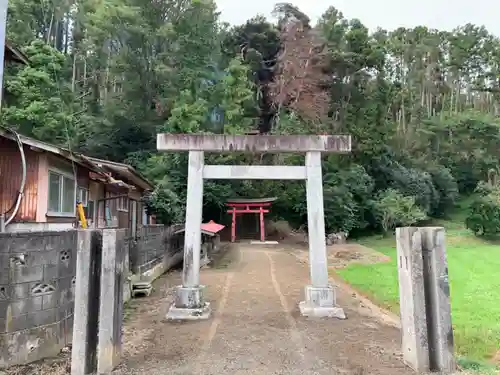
x=320 y=298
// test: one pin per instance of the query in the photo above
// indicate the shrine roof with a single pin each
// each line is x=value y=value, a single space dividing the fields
x=212 y=227
x=251 y=200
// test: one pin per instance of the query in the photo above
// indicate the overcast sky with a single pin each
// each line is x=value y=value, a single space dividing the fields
x=388 y=14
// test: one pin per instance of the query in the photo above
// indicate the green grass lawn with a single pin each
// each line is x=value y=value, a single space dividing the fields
x=474 y=272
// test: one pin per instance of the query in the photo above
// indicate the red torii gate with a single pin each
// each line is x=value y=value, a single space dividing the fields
x=249 y=206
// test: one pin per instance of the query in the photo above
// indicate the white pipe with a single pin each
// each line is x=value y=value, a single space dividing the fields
x=23 y=181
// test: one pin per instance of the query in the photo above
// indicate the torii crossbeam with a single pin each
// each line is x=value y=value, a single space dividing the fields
x=320 y=298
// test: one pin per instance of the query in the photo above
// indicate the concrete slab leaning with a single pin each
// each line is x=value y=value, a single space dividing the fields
x=111 y=300
x=427 y=334
x=87 y=294
x=412 y=299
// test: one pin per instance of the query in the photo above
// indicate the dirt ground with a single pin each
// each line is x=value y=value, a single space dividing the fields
x=342 y=255
x=256 y=327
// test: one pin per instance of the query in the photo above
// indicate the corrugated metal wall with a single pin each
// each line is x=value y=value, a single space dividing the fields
x=10 y=179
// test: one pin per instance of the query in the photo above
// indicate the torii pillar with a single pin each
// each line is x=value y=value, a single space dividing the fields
x=320 y=298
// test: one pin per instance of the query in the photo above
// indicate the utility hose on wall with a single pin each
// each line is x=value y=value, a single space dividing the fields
x=20 y=194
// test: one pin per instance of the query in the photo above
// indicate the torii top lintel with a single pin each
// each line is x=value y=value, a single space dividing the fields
x=254 y=143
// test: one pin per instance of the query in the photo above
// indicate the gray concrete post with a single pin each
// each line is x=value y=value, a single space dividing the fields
x=427 y=334
x=320 y=300
x=194 y=212
x=189 y=303
x=318 y=262
x=111 y=300
x=415 y=345
x=438 y=300
x=84 y=345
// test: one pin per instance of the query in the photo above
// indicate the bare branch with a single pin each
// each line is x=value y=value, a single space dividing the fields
x=299 y=76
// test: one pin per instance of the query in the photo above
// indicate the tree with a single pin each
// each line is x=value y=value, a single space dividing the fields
x=394 y=209
x=421 y=105
x=236 y=98
x=299 y=74
x=258 y=43
x=39 y=101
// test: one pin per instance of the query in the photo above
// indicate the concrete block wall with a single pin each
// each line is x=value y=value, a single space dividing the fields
x=154 y=246
x=155 y=250
x=37 y=272
x=150 y=248
x=175 y=242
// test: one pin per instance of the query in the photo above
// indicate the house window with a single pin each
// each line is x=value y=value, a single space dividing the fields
x=62 y=191
x=122 y=204
x=83 y=196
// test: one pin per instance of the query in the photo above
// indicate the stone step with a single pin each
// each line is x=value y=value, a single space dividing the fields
x=141 y=288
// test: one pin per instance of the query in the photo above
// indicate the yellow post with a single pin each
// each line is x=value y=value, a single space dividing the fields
x=81 y=214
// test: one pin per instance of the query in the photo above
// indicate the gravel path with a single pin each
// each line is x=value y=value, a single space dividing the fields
x=256 y=327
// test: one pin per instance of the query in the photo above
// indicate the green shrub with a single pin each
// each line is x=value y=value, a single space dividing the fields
x=415 y=183
x=165 y=203
x=408 y=181
x=341 y=210
x=484 y=215
x=483 y=188
x=466 y=174
x=346 y=195
x=447 y=189
x=392 y=209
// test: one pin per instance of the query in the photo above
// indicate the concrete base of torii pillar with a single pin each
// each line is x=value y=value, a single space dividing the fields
x=189 y=304
x=321 y=303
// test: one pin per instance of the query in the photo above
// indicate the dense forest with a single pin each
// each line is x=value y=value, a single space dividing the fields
x=422 y=105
